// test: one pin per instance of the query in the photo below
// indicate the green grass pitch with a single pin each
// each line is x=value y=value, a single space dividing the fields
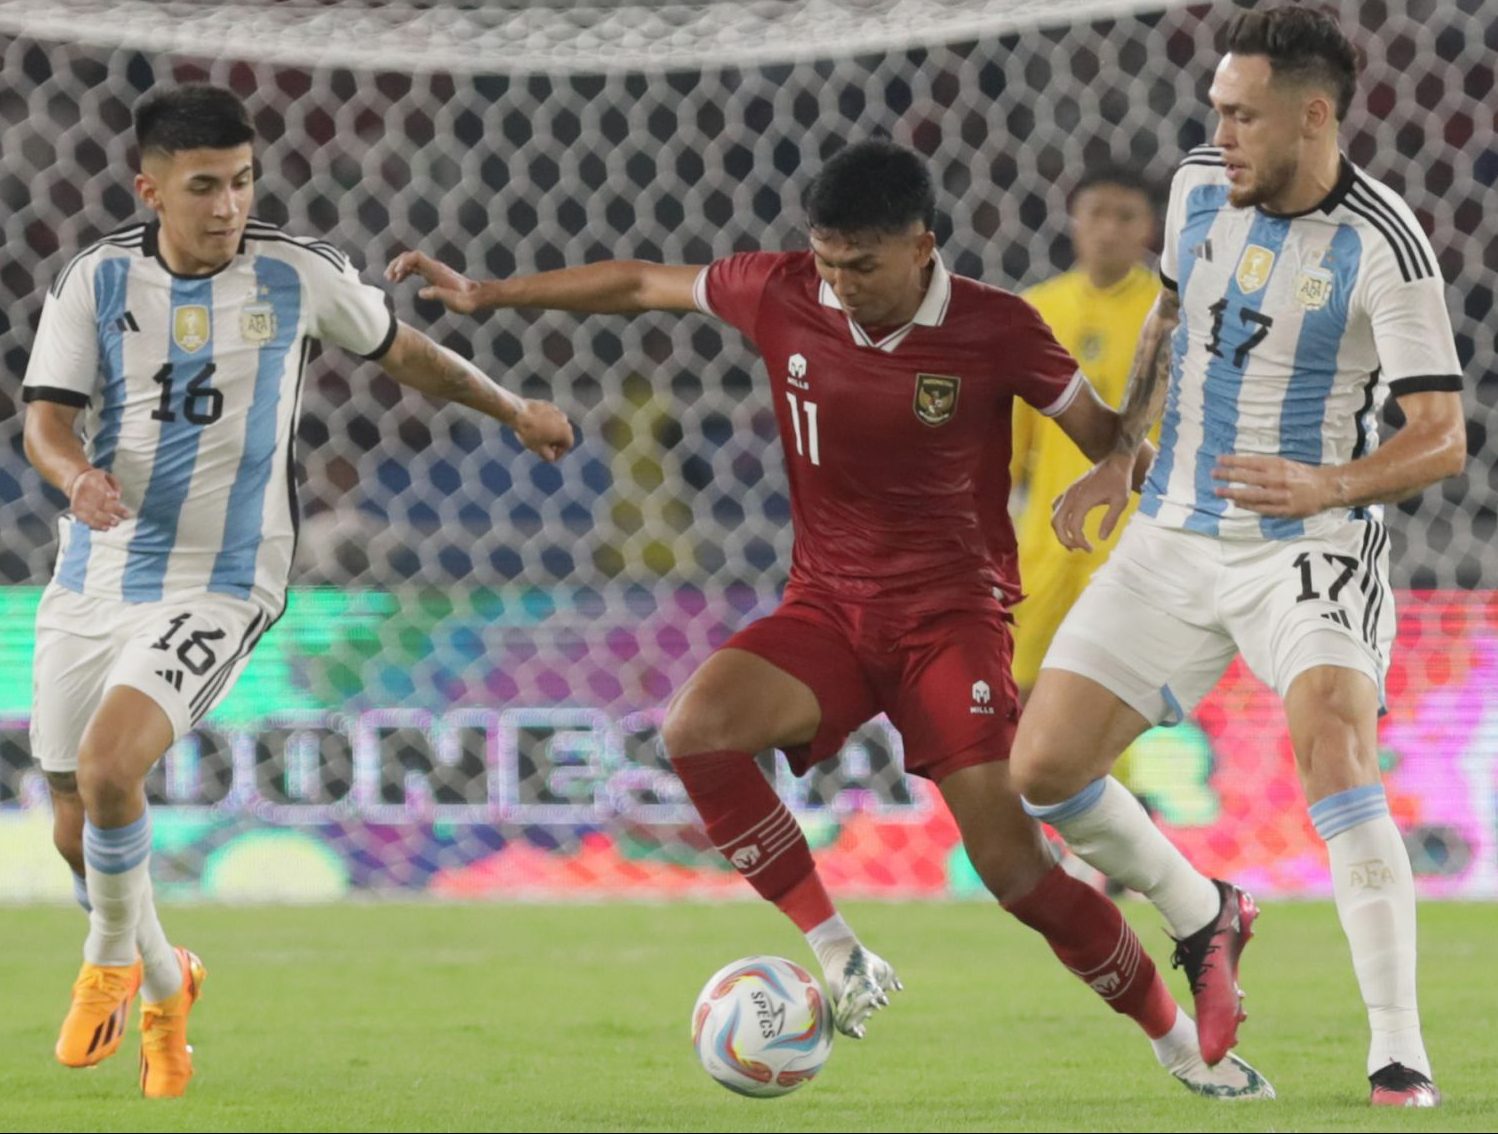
x=374 y=1016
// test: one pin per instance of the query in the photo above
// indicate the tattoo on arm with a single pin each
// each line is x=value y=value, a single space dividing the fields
x=451 y=380
x=1150 y=372
x=416 y=361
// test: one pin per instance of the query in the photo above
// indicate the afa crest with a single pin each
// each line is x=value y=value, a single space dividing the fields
x=1254 y=267
x=936 y=398
x=192 y=327
x=1313 y=288
x=257 y=323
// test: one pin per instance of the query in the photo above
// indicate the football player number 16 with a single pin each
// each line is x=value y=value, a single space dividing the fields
x=806 y=440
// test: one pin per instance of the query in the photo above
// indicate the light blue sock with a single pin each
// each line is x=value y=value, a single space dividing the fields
x=1105 y=827
x=1375 y=891
x=119 y=864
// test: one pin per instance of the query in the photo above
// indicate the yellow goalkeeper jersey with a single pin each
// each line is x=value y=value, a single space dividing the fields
x=1100 y=327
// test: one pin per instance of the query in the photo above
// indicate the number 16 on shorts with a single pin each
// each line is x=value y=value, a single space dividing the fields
x=187 y=655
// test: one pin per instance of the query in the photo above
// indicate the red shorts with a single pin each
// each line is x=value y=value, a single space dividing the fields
x=946 y=685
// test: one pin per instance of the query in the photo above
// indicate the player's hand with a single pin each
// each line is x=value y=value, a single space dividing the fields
x=1272 y=486
x=1105 y=485
x=543 y=429
x=456 y=291
x=94 y=499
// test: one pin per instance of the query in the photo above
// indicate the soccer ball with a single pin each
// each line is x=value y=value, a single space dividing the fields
x=762 y=1026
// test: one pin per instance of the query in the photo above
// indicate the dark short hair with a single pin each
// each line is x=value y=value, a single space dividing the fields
x=1302 y=45
x=871 y=186
x=1127 y=177
x=194 y=116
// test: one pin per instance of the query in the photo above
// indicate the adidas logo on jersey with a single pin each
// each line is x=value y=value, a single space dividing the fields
x=172 y=677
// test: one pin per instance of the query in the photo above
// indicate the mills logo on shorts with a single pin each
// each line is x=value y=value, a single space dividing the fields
x=982 y=695
x=936 y=398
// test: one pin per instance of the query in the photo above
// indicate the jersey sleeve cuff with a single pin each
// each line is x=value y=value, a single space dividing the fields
x=1425 y=383
x=54 y=394
x=385 y=343
x=1068 y=395
x=699 y=293
x=1168 y=282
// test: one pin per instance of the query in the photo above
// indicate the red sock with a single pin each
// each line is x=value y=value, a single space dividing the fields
x=1088 y=933
x=755 y=831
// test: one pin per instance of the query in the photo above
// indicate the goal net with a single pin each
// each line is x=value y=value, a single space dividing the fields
x=465 y=692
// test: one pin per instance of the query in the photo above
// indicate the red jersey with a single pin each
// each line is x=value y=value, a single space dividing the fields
x=898 y=449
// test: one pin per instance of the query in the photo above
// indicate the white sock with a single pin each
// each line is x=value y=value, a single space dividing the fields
x=1375 y=891
x=1178 y=1045
x=163 y=972
x=1104 y=825
x=831 y=941
x=119 y=862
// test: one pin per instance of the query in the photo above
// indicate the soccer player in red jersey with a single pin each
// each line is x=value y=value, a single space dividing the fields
x=893 y=383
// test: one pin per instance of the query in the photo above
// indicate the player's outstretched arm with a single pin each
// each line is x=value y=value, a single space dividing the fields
x=55 y=450
x=610 y=287
x=1094 y=428
x=416 y=361
x=1430 y=446
x=1116 y=441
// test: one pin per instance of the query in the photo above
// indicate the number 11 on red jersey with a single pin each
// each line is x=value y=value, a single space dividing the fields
x=812 y=448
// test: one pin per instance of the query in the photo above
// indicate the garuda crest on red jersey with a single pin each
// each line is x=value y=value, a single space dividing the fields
x=936 y=398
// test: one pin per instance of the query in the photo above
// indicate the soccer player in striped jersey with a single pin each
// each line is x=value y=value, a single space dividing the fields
x=1299 y=293
x=892 y=381
x=181 y=344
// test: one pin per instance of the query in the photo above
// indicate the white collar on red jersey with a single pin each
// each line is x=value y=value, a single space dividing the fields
x=930 y=313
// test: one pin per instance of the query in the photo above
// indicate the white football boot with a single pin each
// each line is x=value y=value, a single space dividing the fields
x=859 y=987
x=1229 y=1078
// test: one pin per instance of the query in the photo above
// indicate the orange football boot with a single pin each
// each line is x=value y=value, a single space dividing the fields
x=95 y=1022
x=165 y=1058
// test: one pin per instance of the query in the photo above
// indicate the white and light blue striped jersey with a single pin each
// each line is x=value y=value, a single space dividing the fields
x=190 y=388
x=1293 y=331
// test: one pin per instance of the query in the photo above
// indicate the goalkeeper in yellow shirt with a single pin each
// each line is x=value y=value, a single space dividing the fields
x=1096 y=310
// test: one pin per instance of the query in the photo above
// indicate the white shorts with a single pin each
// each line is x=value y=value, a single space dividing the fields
x=1163 y=618
x=183 y=653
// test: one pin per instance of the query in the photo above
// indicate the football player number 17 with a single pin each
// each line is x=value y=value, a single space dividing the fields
x=806 y=440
